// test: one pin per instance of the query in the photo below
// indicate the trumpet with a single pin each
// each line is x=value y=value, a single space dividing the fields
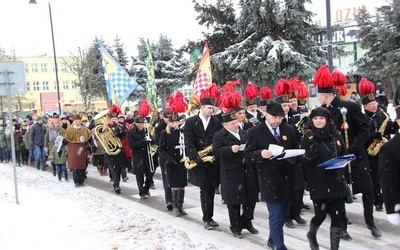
x=189 y=164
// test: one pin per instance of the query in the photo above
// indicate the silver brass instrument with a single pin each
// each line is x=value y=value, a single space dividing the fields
x=154 y=116
x=111 y=144
x=376 y=145
x=203 y=154
x=149 y=147
x=193 y=109
x=181 y=146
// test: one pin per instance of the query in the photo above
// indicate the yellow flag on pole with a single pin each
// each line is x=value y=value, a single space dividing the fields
x=204 y=77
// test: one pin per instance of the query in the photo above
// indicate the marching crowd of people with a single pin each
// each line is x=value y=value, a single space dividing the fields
x=228 y=142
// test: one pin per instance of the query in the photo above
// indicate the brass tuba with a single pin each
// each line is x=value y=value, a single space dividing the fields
x=376 y=145
x=111 y=144
x=203 y=154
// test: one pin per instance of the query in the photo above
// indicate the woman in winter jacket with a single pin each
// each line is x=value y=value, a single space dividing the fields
x=323 y=142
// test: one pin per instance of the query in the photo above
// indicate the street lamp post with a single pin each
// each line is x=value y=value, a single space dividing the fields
x=55 y=57
x=329 y=34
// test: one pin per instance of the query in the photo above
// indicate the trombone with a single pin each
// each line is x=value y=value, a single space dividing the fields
x=149 y=148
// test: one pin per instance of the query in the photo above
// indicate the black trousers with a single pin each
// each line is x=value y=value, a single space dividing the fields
x=368 y=204
x=333 y=206
x=207 y=202
x=166 y=186
x=238 y=220
x=144 y=184
x=296 y=204
x=79 y=176
x=378 y=198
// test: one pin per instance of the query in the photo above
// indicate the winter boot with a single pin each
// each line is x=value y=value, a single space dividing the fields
x=312 y=237
x=175 y=202
x=54 y=168
x=335 y=237
x=181 y=199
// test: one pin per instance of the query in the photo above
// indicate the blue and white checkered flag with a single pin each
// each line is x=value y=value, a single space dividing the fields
x=119 y=84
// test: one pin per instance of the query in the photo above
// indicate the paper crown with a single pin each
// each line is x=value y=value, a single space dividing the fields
x=366 y=90
x=282 y=91
x=323 y=80
x=177 y=105
x=302 y=94
x=265 y=95
x=250 y=94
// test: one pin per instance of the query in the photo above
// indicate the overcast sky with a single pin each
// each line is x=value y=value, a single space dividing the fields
x=25 y=28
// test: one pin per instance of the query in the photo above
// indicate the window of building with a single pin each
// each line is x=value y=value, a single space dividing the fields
x=36 y=86
x=26 y=66
x=45 y=85
x=72 y=67
x=63 y=67
x=34 y=67
x=55 y=85
x=74 y=85
x=44 y=67
x=65 y=84
x=54 y=68
x=28 y=86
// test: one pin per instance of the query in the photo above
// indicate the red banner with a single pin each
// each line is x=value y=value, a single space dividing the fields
x=49 y=101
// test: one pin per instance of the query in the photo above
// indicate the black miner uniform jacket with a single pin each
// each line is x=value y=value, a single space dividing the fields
x=238 y=184
x=196 y=139
x=140 y=157
x=358 y=132
x=275 y=176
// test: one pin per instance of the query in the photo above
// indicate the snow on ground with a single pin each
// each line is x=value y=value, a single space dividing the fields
x=56 y=215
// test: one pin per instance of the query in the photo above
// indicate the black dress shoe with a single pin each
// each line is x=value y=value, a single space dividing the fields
x=213 y=223
x=207 y=225
x=345 y=235
x=271 y=245
x=117 y=190
x=375 y=231
x=300 y=220
x=379 y=208
x=143 y=196
x=169 y=206
x=290 y=224
x=251 y=229
x=348 y=221
x=237 y=234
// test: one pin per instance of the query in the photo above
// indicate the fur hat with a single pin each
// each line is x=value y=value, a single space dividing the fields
x=320 y=111
x=210 y=96
x=323 y=80
x=275 y=109
x=366 y=90
x=143 y=111
x=114 y=111
x=232 y=102
x=76 y=117
x=339 y=83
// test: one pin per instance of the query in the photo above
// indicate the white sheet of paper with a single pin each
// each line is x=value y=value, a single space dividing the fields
x=275 y=149
x=242 y=146
x=292 y=153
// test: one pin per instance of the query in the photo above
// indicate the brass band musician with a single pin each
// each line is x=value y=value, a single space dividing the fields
x=381 y=126
x=199 y=131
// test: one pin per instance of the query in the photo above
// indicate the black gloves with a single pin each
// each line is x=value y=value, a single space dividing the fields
x=147 y=139
x=376 y=136
x=94 y=149
x=312 y=152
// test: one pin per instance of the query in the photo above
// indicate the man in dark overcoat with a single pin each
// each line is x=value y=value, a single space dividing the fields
x=199 y=131
x=140 y=141
x=238 y=186
x=380 y=126
x=389 y=175
x=355 y=133
x=275 y=176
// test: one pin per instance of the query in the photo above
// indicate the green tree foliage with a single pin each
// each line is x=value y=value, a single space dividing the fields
x=380 y=35
x=270 y=39
x=119 y=53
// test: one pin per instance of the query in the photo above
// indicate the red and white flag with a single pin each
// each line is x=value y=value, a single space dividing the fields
x=204 y=77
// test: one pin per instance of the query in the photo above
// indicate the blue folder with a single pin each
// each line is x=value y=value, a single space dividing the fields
x=338 y=162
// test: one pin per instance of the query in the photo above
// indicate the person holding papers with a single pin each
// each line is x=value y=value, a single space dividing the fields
x=275 y=175
x=238 y=185
x=323 y=142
